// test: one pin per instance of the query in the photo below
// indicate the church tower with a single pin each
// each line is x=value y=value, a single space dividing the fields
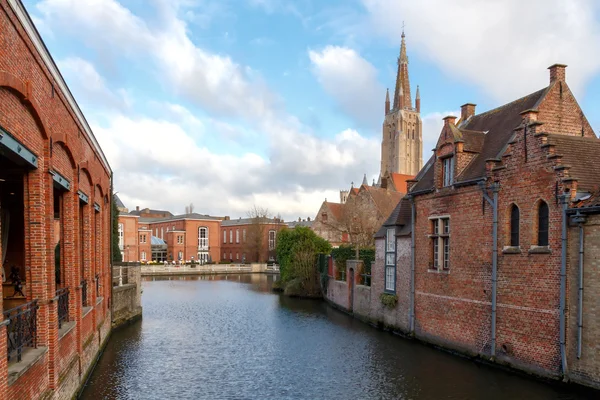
x=402 y=145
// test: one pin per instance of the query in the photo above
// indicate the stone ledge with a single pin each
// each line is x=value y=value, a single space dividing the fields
x=121 y=288
x=66 y=328
x=511 y=250
x=29 y=357
x=540 y=250
x=85 y=311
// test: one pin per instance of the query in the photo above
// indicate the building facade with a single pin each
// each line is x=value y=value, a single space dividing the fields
x=492 y=252
x=167 y=237
x=402 y=142
x=55 y=185
x=250 y=239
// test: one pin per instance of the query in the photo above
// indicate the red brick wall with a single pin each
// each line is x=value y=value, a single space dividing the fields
x=242 y=247
x=36 y=113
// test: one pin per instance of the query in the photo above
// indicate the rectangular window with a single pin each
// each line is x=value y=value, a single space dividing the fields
x=237 y=256
x=231 y=236
x=448 y=170
x=231 y=256
x=143 y=256
x=271 y=240
x=390 y=260
x=440 y=240
x=180 y=255
x=224 y=236
x=244 y=235
x=224 y=256
x=120 y=236
x=237 y=235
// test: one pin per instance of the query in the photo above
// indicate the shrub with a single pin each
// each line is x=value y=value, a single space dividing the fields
x=389 y=300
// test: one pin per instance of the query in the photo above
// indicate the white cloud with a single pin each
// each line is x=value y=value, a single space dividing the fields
x=160 y=162
x=351 y=81
x=503 y=46
x=93 y=88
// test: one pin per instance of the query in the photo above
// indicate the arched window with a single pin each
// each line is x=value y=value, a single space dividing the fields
x=514 y=226
x=203 y=237
x=543 y=224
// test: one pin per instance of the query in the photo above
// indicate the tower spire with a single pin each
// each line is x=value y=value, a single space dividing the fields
x=387 y=101
x=364 y=182
x=402 y=81
x=418 y=100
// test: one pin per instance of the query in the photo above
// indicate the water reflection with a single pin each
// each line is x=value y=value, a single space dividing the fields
x=229 y=337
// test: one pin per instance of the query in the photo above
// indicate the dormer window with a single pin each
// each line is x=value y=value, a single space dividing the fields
x=448 y=171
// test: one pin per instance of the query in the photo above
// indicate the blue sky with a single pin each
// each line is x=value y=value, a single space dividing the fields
x=279 y=103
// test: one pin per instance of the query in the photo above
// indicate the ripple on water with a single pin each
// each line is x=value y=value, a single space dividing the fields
x=233 y=339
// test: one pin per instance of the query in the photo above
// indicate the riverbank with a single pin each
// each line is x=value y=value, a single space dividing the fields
x=208 y=269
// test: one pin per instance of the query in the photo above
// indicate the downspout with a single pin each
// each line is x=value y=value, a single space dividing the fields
x=579 y=219
x=412 y=265
x=563 y=285
x=494 y=203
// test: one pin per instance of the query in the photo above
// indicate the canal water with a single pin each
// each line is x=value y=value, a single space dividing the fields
x=229 y=337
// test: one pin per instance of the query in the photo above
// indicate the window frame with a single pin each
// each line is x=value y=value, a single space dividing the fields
x=543 y=226
x=515 y=222
x=440 y=243
x=389 y=262
x=237 y=236
x=224 y=236
x=448 y=171
x=273 y=240
x=203 y=241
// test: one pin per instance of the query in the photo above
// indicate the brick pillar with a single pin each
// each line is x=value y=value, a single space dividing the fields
x=38 y=228
x=52 y=304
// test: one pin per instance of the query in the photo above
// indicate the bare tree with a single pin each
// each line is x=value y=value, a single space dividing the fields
x=189 y=209
x=257 y=232
x=360 y=221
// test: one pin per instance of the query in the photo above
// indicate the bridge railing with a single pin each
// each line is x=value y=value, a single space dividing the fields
x=197 y=268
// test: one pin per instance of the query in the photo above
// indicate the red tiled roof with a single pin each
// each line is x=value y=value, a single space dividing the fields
x=335 y=208
x=399 y=181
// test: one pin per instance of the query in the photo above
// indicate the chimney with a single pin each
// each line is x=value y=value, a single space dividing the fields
x=226 y=218
x=137 y=208
x=308 y=218
x=450 y=119
x=557 y=72
x=467 y=111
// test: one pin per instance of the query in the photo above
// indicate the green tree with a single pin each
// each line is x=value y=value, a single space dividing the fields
x=297 y=251
x=116 y=252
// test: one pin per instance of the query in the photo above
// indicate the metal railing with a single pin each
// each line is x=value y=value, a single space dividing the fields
x=22 y=329
x=198 y=268
x=84 y=301
x=63 y=306
x=366 y=279
x=120 y=275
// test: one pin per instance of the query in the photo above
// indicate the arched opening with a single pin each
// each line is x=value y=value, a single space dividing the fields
x=514 y=225
x=543 y=222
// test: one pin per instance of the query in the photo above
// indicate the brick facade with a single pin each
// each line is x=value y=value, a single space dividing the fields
x=39 y=115
x=533 y=154
x=244 y=240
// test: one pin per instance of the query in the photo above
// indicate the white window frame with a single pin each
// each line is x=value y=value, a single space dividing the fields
x=244 y=235
x=224 y=235
x=448 y=171
x=390 y=261
x=272 y=239
x=121 y=236
x=143 y=256
x=203 y=237
x=440 y=242
x=237 y=235
x=180 y=255
x=231 y=236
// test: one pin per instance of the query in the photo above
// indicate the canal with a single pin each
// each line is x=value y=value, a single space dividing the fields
x=229 y=337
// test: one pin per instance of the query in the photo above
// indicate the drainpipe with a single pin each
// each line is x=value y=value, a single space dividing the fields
x=110 y=259
x=495 y=187
x=412 y=265
x=580 y=220
x=563 y=284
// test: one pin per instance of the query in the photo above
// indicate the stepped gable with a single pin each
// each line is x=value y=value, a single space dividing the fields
x=582 y=156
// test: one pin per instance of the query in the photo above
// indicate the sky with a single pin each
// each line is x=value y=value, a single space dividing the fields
x=228 y=104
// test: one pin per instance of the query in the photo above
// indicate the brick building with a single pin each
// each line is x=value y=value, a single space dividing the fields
x=360 y=212
x=250 y=239
x=480 y=253
x=54 y=223
x=157 y=235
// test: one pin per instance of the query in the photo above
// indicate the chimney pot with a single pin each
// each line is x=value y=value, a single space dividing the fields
x=137 y=208
x=557 y=72
x=467 y=111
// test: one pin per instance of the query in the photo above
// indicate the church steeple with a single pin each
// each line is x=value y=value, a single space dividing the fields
x=387 y=101
x=402 y=98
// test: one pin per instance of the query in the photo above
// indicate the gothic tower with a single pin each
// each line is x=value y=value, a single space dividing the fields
x=402 y=145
